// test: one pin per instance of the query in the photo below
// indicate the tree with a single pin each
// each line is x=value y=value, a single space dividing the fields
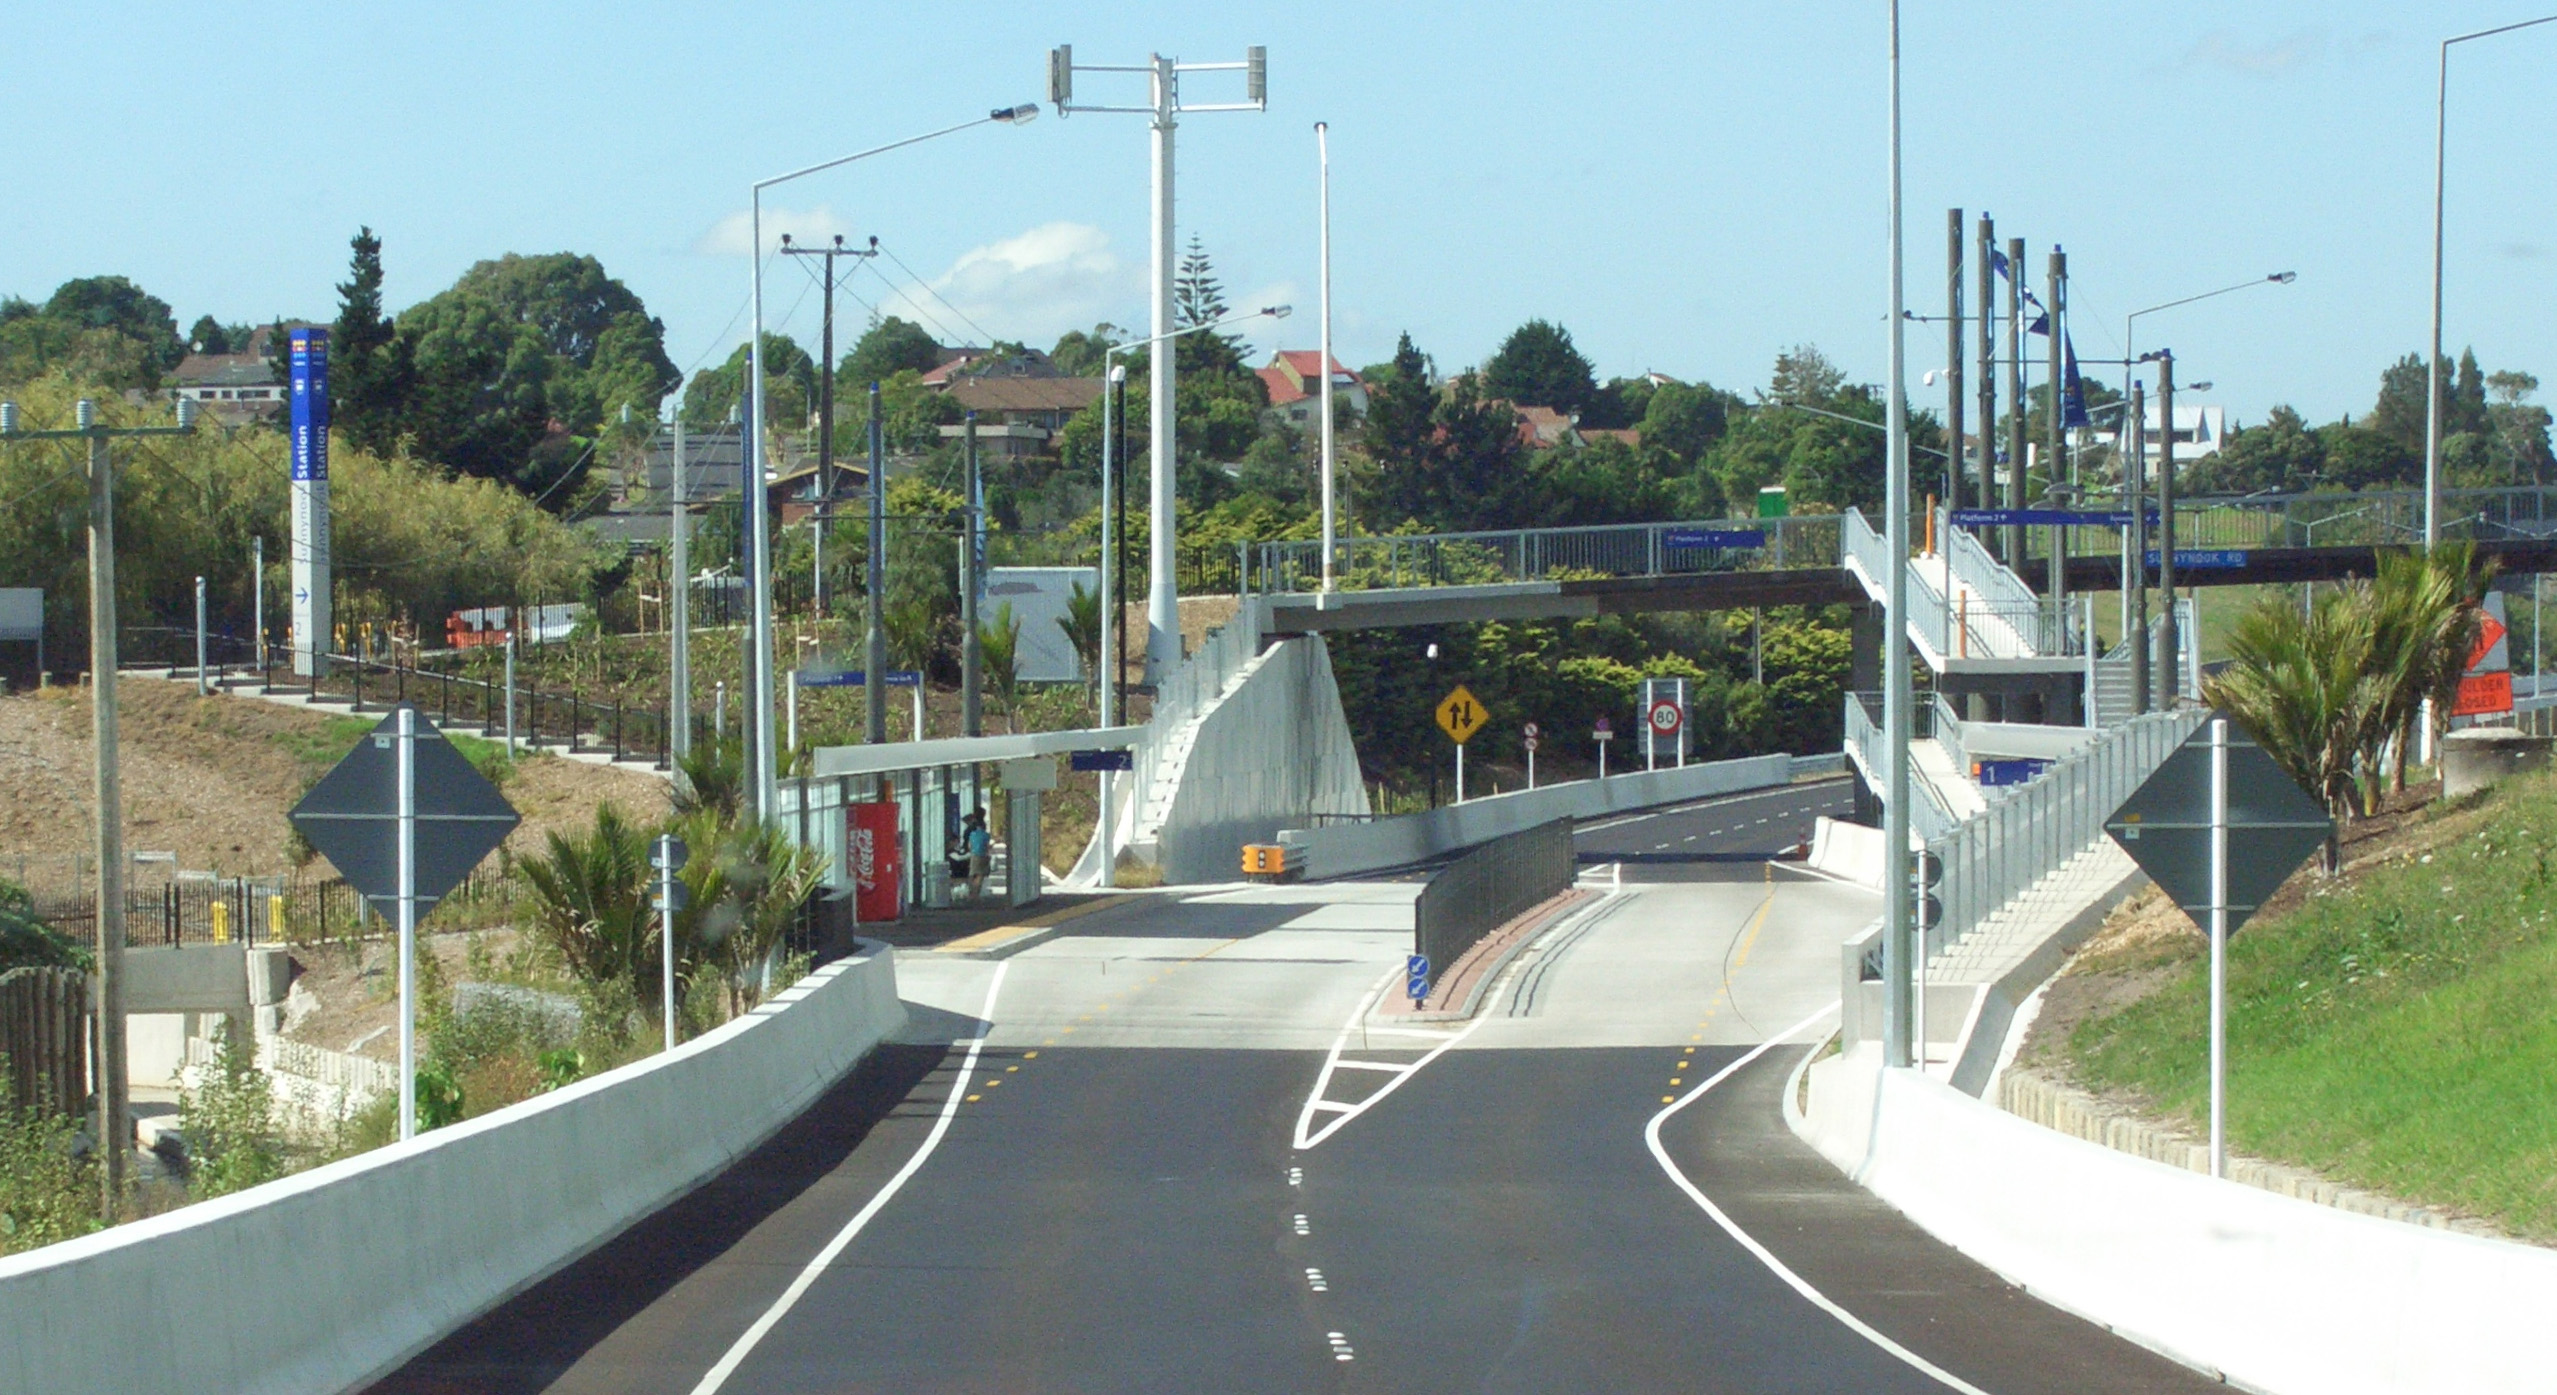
x=370 y=374
x=999 y=648
x=1078 y=352
x=518 y=344
x=890 y=346
x=1198 y=299
x=1082 y=625
x=1538 y=367
x=1444 y=461
x=2282 y=454
x=790 y=385
x=115 y=303
x=1684 y=422
x=209 y=336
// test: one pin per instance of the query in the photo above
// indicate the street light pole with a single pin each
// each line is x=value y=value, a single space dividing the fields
x=759 y=789
x=113 y=1085
x=2433 y=364
x=1164 y=106
x=1897 y=952
x=1323 y=147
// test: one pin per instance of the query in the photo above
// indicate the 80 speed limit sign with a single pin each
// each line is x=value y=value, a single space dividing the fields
x=1665 y=718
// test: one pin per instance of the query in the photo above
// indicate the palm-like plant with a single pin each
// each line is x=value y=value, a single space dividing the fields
x=589 y=899
x=2423 y=617
x=1082 y=625
x=712 y=776
x=746 y=881
x=999 y=648
x=2302 y=686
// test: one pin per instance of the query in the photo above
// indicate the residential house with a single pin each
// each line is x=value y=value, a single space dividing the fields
x=234 y=387
x=1296 y=389
x=1019 y=415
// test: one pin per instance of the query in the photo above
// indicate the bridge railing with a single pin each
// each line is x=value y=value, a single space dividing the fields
x=1993 y=856
x=2329 y=518
x=1538 y=554
x=1867 y=749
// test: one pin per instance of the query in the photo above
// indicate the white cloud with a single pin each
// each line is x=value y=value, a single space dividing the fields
x=2224 y=50
x=1032 y=287
x=732 y=235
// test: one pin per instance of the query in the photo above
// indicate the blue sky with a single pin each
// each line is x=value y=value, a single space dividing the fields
x=1688 y=188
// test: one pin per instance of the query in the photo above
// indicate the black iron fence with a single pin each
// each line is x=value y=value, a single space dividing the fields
x=198 y=909
x=461 y=702
x=1489 y=887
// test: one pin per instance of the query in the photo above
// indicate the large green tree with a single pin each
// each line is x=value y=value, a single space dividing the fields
x=1538 y=366
x=888 y=347
x=371 y=378
x=115 y=303
x=518 y=344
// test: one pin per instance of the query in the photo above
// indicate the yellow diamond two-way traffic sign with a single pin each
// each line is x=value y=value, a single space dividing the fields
x=1460 y=715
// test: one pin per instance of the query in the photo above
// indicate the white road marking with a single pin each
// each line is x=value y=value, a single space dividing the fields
x=1296 y=1176
x=1314 y=1280
x=1309 y=1137
x=1303 y=1227
x=1347 y=1064
x=737 y=1352
x=1651 y=1137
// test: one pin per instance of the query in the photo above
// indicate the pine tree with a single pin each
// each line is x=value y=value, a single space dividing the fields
x=368 y=365
x=1199 y=299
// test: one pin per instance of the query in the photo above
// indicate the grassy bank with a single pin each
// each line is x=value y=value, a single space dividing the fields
x=2389 y=1030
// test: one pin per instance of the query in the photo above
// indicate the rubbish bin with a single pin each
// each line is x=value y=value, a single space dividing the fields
x=936 y=884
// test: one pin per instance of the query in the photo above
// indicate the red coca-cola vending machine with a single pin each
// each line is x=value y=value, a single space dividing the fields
x=878 y=866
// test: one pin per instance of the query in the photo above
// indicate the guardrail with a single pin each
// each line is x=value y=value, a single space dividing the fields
x=1991 y=857
x=1488 y=887
x=1866 y=748
x=1538 y=554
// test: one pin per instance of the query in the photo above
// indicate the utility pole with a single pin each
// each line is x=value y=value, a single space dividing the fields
x=1988 y=355
x=825 y=404
x=2135 y=567
x=113 y=1084
x=971 y=647
x=257 y=599
x=1953 y=429
x=679 y=657
x=1114 y=621
x=1119 y=550
x=2057 y=275
x=1897 y=950
x=1164 y=106
x=2170 y=663
x=2015 y=399
x=874 y=677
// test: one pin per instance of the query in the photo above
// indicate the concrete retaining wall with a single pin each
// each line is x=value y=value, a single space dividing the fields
x=1848 y=851
x=324 y=1279
x=1342 y=850
x=2273 y=1293
x=1276 y=751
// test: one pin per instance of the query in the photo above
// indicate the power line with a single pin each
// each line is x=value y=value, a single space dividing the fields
x=936 y=295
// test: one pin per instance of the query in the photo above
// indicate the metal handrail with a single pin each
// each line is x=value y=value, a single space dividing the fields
x=1532 y=554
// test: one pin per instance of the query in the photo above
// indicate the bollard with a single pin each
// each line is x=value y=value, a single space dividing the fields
x=221 y=922
x=275 y=918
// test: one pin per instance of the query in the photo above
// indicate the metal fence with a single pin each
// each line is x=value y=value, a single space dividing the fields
x=1537 y=554
x=1192 y=689
x=1995 y=855
x=180 y=908
x=1865 y=749
x=1488 y=887
x=44 y=1038
x=461 y=702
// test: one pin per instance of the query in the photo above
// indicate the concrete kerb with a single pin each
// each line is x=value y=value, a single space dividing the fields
x=1482 y=966
x=326 y=1279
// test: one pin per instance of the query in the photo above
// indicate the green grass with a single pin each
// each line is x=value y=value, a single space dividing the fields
x=2393 y=1033
x=322 y=747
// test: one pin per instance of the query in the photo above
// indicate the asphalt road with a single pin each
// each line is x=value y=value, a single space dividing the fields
x=1713 y=840
x=1121 y=1194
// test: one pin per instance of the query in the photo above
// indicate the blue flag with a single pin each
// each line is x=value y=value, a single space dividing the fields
x=2041 y=321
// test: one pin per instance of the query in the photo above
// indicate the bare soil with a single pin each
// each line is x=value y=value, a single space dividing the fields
x=210 y=780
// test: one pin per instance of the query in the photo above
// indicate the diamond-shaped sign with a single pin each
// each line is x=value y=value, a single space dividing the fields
x=1461 y=714
x=2273 y=825
x=352 y=816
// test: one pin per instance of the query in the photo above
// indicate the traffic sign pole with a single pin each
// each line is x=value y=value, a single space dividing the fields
x=2219 y=946
x=1460 y=772
x=407 y=753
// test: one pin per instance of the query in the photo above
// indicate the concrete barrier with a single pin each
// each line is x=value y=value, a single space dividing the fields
x=1347 y=849
x=2270 y=1292
x=325 y=1279
x=1850 y=852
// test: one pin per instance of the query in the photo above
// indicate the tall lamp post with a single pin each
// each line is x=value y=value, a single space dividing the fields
x=1898 y=999
x=2433 y=364
x=108 y=999
x=1114 y=375
x=758 y=726
x=1164 y=105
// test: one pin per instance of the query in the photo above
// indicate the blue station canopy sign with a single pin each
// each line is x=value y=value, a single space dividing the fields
x=1679 y=538
x=2046 y=518
x=2204 y=559
x=854 y=678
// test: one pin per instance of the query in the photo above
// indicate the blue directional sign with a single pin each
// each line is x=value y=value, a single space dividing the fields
x=2203 y=560
x=1681 y=538
x=1101 y=760
x=854 y=678
x=2046 y=518
x=1416 y=977
x=309 y=359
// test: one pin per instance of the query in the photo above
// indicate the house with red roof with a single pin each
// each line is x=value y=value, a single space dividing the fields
x=1294 y=379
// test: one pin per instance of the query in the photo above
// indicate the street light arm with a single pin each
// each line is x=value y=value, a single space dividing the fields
x=1274 y=312
x=2278 y=278
x=1009 y=115
x=1851 y=421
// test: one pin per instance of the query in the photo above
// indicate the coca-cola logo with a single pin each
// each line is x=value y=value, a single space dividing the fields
x=864 y=859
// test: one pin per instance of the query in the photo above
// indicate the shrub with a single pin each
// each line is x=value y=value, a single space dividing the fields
x=229 y=1124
